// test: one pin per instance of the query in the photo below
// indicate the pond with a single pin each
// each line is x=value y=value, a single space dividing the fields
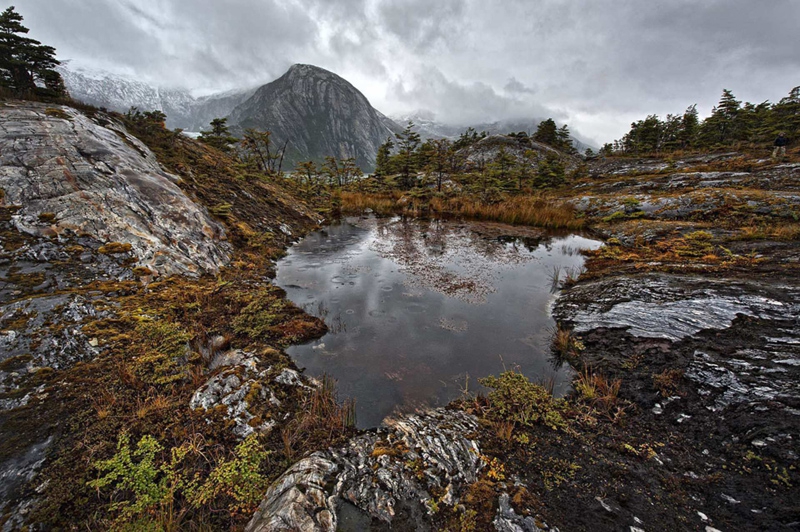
x=419 y=310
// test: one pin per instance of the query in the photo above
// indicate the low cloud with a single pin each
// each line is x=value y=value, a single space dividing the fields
x=589 y=62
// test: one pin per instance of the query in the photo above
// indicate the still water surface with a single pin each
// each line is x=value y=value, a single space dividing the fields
x=419 y=310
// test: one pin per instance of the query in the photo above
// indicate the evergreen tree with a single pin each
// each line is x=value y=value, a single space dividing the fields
x=407 y=160
x=468 y=138
x=383 y=160
x=503 y=169
x=722 y=127
x=219 y=136
x=564 y=142
x=439 y=160
x=546 y=132
x=690 y=125
x=785 y=116
x=550 y=172
x=26 y=65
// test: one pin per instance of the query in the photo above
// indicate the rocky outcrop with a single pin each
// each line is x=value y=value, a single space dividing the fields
x=98 y=181
x=671 y=307
x=524 y=150
x=318 y=113
x=388 y=475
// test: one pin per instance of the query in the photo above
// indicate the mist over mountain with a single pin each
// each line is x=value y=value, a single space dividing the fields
x=120 y=93
x=315 y=112
x=429 y=127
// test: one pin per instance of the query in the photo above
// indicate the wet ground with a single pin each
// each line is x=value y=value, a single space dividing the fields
x=418 y=310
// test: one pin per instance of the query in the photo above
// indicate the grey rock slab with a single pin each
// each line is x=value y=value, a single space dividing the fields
x=230 y=387
x=309 y=494
x=102 y=182
x=666 y=306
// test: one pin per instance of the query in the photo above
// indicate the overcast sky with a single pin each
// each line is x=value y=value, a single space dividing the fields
x=595 y=64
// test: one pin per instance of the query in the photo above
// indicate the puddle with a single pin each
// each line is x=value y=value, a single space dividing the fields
x=419 y=310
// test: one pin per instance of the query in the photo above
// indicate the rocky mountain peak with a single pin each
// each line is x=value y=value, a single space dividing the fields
x=316 y=112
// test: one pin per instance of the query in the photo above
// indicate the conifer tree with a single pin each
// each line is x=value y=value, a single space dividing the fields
x=219 y=136
x=408 y=141
x=383 y=159
x=546 y=132
x=26 y=65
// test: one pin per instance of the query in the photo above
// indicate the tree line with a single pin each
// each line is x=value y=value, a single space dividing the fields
x=405 y=161
x=731 y=124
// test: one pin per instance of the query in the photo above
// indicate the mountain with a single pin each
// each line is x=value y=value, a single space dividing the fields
x=120 y=93
x=429 y=128
x=318 y=113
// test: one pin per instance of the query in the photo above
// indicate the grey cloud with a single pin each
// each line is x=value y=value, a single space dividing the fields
x=462 y=104
x=514 y=85
x=421 y=23
x=598 y=64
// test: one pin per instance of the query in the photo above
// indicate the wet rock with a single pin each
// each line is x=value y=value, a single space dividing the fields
x=508 y=521
x=233 y=389
x=49 y=335
x=377 y=472
x=666 y=306
x=15 y=473
x=102 y=182
x=298 y=499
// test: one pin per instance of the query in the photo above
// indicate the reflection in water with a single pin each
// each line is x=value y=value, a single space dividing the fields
x=418 y=309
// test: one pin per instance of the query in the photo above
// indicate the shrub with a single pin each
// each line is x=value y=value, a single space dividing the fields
x=237 y=480
x=146 y=489
x=515 y=398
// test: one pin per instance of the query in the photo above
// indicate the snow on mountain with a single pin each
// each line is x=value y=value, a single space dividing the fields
x=120 y=93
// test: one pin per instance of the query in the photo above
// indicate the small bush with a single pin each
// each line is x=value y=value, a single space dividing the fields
x=516 y=399
x=142 y=488
x=237 y=480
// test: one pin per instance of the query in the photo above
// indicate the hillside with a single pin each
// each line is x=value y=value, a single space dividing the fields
x=114 y=260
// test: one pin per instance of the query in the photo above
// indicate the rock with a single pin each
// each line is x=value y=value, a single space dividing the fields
x=665 y=306
x=377 y=472
x=131 y=201
x=298 y=499
x=508 y=521
x=232 y=387
x=321 y=113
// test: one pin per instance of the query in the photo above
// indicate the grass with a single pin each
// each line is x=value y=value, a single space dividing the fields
x=321 y=418
x=599 y=392
x=537 y=210
x=783 y=232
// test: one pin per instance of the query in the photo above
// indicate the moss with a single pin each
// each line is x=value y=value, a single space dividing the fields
x=114 y=248
x=47 y=217
x=13 y=363
x=165 y=355
x=57 y=113
x=259 y=317
x=26 y=280
x=141 y=271
x=222 y=210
